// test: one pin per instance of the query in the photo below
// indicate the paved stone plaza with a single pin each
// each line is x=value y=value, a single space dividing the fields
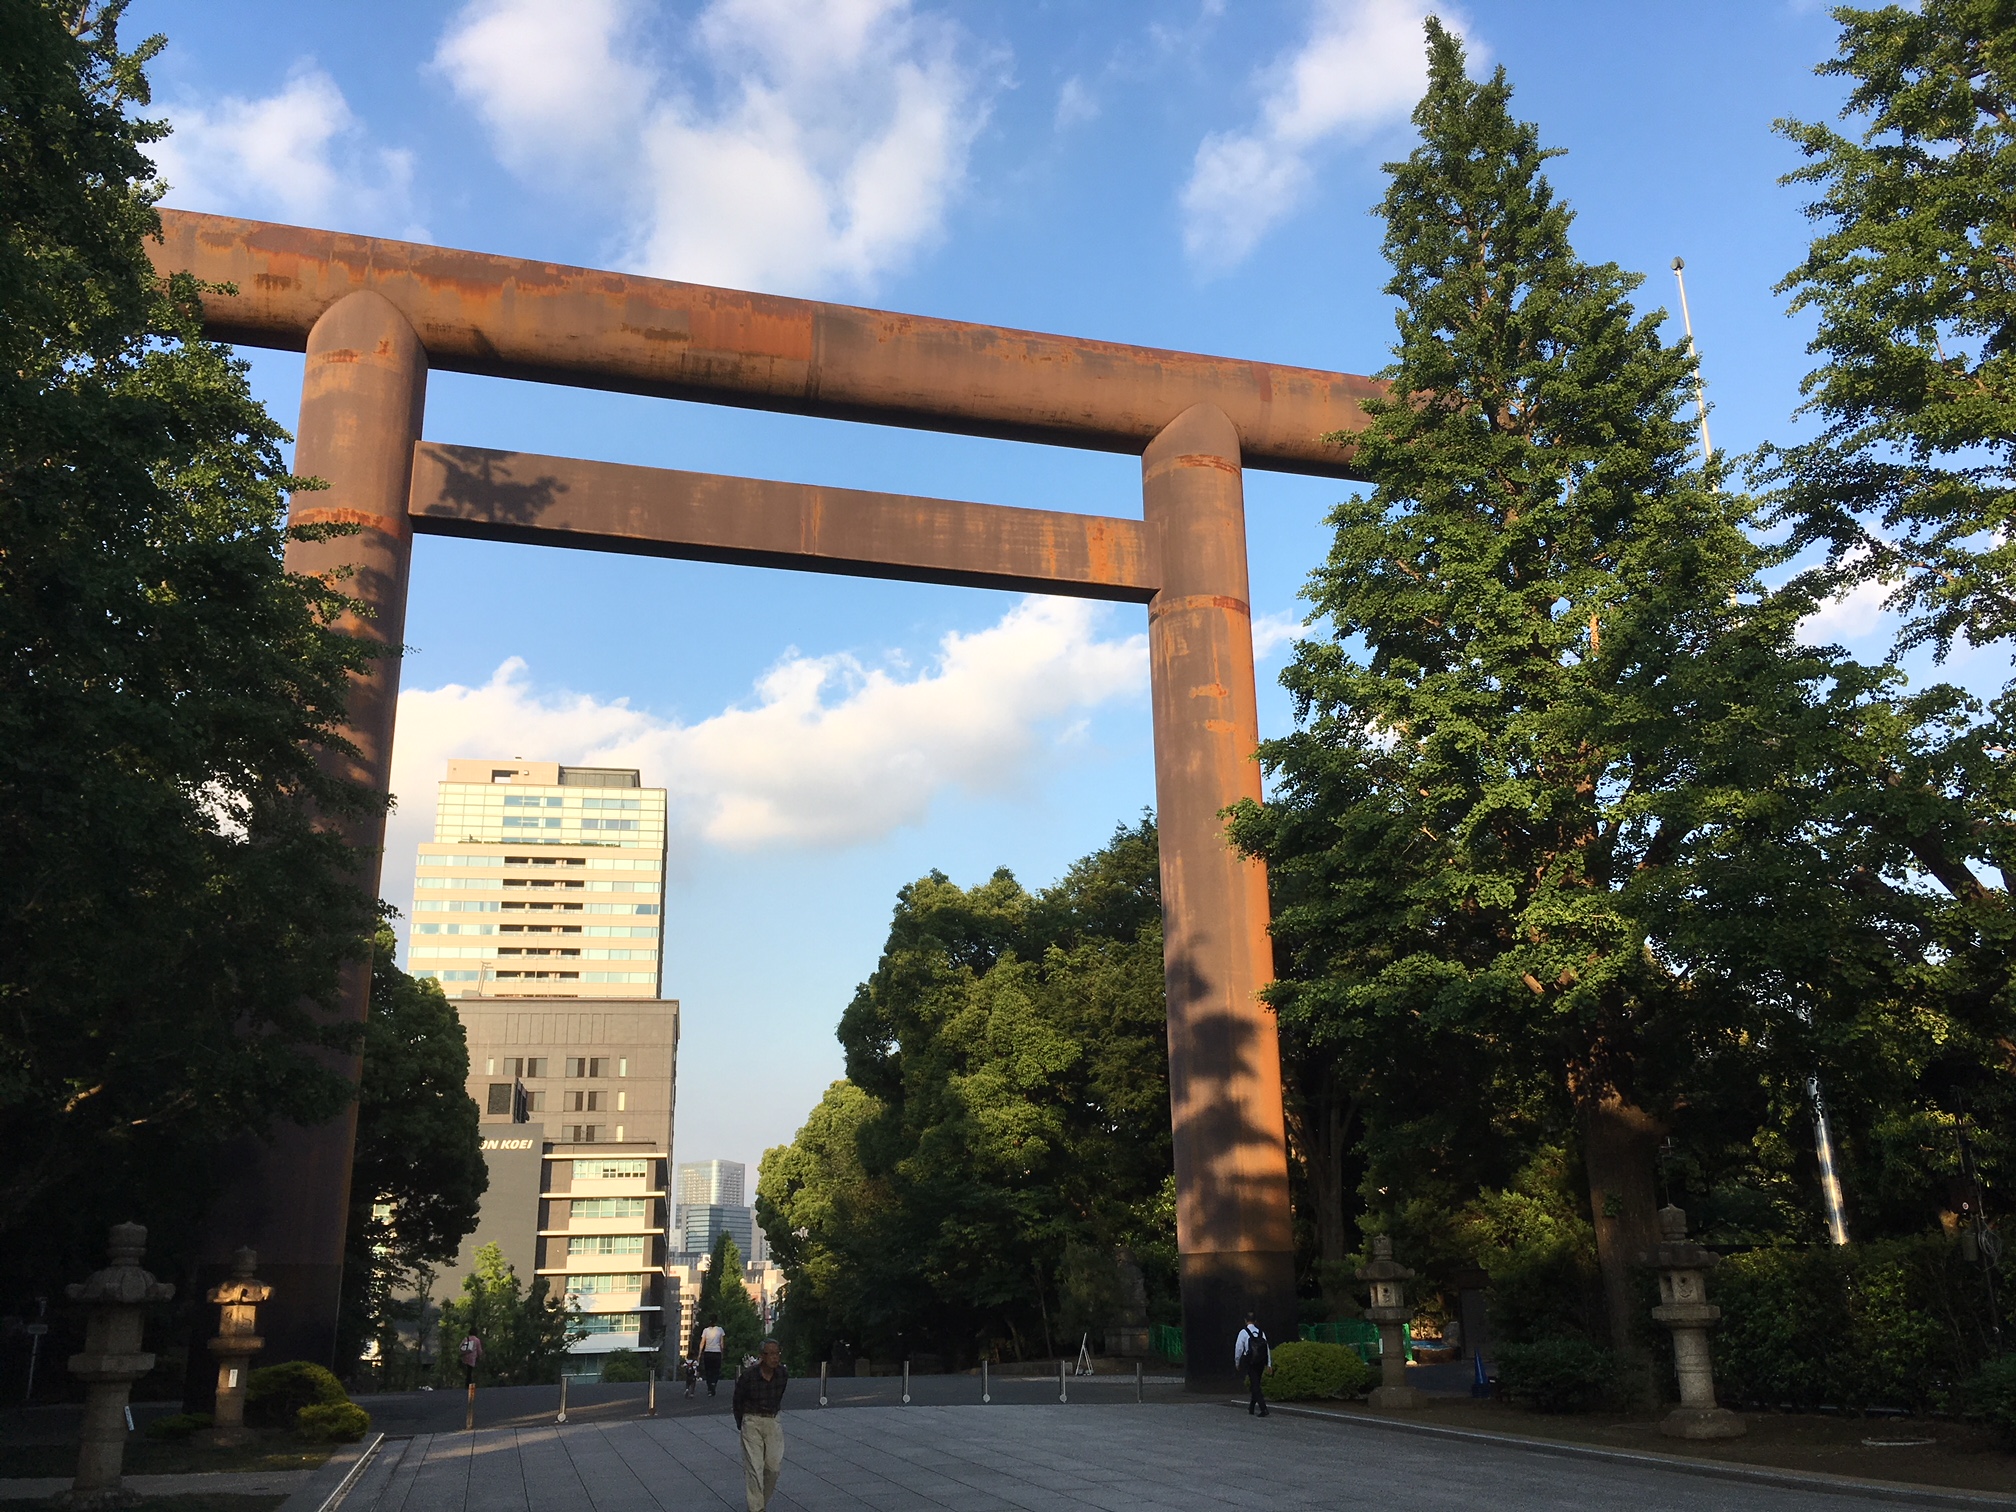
x=1197 y=1455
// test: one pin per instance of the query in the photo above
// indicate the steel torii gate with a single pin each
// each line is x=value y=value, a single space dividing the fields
x=373 y=316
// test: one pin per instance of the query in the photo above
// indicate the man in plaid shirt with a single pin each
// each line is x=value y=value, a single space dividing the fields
x=759 y=1392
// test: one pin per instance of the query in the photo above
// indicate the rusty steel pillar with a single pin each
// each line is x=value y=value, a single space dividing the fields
x=362 y=397
x=1232 y=1221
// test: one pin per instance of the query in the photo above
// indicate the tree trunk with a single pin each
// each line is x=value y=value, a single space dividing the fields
x=1620 y=1151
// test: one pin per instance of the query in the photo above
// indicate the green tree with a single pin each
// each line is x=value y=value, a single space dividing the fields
x=173 y=918
x=724 y=1300
x=1912 y=481
x=525 y=1330
x=1004 y=1125
x=419 y=1174
x=1510 y=834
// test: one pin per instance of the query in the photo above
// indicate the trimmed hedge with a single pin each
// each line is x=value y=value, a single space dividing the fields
x=1306 y=1371
x=332 y=1423
x=1567 y=1373
x=1884 y=1324
x=625 y=1365
x=1992 y=1394
x=275 y=1394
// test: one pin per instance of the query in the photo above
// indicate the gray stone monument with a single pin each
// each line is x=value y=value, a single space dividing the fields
x=1685 y=1309
x=236 y=1343
x=116 y=1299
x=1387 y=1279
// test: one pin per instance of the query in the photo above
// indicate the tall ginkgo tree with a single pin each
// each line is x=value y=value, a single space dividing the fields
x=1556 y=738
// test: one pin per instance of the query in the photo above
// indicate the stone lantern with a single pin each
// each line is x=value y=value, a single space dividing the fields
x=1685 y=1309
x=236 y=1342
x=1390 y=1311
x=115 y=1299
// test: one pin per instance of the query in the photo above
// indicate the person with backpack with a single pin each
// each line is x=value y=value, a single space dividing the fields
x=1252 y=1356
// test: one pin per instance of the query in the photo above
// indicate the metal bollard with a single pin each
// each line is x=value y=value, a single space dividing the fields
x=1063 y=1390
x=986 y=1391
x=469 y=1418
x=651 y=1392
x=1137 y=1382
x=906 y=1383
x=822 y=1383
x=563 y=1398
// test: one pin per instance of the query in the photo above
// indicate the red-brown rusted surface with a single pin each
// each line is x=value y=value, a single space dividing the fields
x=1232 y=1222
x=650 y=511
x=514 y=318
x=362 y=395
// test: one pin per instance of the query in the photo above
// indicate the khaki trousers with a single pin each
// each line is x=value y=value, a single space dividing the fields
x=762 y=1458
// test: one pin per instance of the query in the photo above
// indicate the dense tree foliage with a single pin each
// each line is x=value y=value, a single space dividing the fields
x=1912 y=481
x=172 y=919
x=525 y=1329
x=419 y=1172
x=1559 y=852
x=1004 y=1125
x=1911 y=485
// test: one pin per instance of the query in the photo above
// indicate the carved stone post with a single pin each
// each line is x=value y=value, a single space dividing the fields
x=236 y=1342
x=112 y=1361
x=1685 y=1309
x=1389 y=1309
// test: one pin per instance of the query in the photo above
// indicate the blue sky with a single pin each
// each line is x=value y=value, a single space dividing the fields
x=1181 y=173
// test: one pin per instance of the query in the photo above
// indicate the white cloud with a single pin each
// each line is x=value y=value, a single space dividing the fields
x=1273 y=631
x=559 y=87
x=298 y=155
x=794 y=145
x=1361 y=68
x=1076 y=104
x=828 y=753
x=1847 y=616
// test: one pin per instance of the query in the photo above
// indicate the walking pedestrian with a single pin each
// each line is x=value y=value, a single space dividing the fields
x=759 y=1392
x=1252 y=1355
x=713 y=1344
x=691 y=1369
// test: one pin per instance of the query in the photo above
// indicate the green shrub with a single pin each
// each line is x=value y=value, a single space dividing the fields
x=1567 y=1373
x=1881 y=1324
x=275 y=1393
x=332 y=1423
x=625 y=1365
x=1306 y=1371
x=1992 y=1394
x=180 y=1426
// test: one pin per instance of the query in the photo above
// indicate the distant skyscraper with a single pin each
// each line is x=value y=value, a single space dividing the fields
x=701 y=1225
x=542 y=881
x=712 y=1183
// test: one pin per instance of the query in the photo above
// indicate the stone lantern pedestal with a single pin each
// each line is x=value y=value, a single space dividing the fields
x=1685 y=1309
x=1389 y=1309
x=236 y=1343
x=112 y=1361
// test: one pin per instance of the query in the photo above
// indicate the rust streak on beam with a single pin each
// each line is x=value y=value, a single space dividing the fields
x=649 y=511
x=515 y=318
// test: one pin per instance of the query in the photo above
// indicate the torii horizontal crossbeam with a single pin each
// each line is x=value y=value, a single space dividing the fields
x=653 y=511
x=515 y=318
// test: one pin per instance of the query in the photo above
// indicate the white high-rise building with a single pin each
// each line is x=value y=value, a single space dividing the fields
x=712 y=1183
x=543 y=881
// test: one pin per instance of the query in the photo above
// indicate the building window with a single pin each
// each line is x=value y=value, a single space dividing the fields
x=607 y=1207
x=593 y=1067
x=622 y=1102
x=608 y=1323
x=535 y=1102
x=584 y=1133
x=610 y=1170
x=596 y=1286
x=605 y=1244
x=587 y=1102
x=499 y=1104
